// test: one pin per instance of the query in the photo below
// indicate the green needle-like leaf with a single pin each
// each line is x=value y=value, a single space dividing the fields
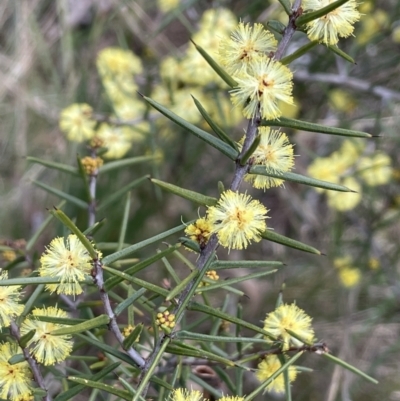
x=311 y=16
x=311 y=127
x=106 y=168
x=71 y=225
x=351 y=368
x=90 y=231
x=244 y=159
x=224 y=316
x=188 y=335
x=203 y=135
x=113 y=281
x=65 y=168
x=63 y=195
x=36 y=280
x=149 y=286
x=108 y=349
x=195 y=197
x=125 y=395
x=182 y=285
x=18 y=358
x=228 y=282
x=186 y=350
x=286 y=6
x=72 y=392
x=341 y=53
x=117 y=195
x=291 y=243
x=24 y=340
x=300 y=179
x=276 y=26
x=123 y=253
x=214 y=126
x=216 y=67
x=129 y=301
x=264 y=385
x=130 y=340
x=85 y=326
x=299 y=52
x=237 y=264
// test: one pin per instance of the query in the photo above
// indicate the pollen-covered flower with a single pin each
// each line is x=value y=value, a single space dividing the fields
x=199 y=231
x=76 y=122
x=325 y=169
x=261 y=87
x=237 y=219
x=44 y=346
x=69 y=260
x=182 y=394
x=275 y=152
x=91 y=164
x=116 y=62
x=289 y=317
x=118 y=140
x=375 y=170
x=9 y=298
x=222 y=19
x=268 y=367
x=15 y=380
x=349 y=276
x=231 y=398
x=246 y=45
x=344 y=201
x=337 y=23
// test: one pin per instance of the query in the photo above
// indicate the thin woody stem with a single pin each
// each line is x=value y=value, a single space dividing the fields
x=37 y=374
x=240 y=172
x=99 y=281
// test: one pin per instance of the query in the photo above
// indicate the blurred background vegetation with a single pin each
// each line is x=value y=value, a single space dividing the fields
x=48 y=53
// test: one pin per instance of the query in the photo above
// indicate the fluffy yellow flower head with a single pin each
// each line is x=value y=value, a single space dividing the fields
x=289 y=317
x=45 y=347
x=115 y=61
x=349 y=276
x=344 y=201
x=181 y=394
x=15 y=380
x=231 y=398
x=338 y=23
x=118 y=139
x=76 y=122
x=261 y=87
x=237 y=219
x=275 y=152
x=222 y=19
x=69 y=260
x=246 y=44
x=268 y=367
x=326 y=169
x=9 y=298
x=375 y=170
